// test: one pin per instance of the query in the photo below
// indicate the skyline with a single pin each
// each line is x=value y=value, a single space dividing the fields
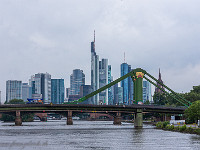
x=57 y=39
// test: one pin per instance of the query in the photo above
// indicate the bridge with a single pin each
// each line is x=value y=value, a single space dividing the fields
x=116 y=111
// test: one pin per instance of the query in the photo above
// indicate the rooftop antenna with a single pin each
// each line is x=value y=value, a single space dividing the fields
x=94 y=36
x=124 y=57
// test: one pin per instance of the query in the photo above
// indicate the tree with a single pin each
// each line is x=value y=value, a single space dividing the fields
x=15 y=101
x=193 y=112
x=159 y=98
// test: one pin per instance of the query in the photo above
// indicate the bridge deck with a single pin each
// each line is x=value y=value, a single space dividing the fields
x=89 y=108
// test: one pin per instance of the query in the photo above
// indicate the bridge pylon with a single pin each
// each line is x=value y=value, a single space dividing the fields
x=18 y=119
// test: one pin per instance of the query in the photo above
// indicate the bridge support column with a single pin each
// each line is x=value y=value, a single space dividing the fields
x=138 y=120
x=117 y=119
x=18 y=119
x=69 y=118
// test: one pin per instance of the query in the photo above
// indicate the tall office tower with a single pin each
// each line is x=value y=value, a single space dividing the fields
x=103 y=80
x=67 y=93
x=157 y=90
x=57 y=91
x=124 y=83
x=115 y=94
x=77 y=79
x=41 y=85
x=13 y=90
x=120 y=95
x=26 y=91
x=85 y=90
x=94 y=72
x=110 y=96
x=147 y=92
x=130 y=87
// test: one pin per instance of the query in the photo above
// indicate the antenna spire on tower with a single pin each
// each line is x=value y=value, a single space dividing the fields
x=94 y=35
x=124 y=57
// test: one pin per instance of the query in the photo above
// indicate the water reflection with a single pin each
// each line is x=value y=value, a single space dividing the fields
x=91 y=135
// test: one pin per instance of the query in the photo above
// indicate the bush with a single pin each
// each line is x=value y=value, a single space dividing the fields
x=165 y=124
x=182 y=128
x=159 y=124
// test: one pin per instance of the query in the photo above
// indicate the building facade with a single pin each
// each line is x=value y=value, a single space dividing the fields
x=77 y=79
x=125 y=83
x=57 y=91
x=85 y=90
x=26 y=91
x=94 y=72
x=147 y=92
x=41 y=84
x=13 y=90
x=103 y=80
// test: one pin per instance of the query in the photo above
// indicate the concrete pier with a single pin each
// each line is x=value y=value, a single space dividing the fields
x=18 y=119
x=117 y=119
x=69 y=118
x=138 y=120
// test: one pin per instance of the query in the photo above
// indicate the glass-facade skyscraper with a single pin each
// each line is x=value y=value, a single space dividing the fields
x=77 y=79
x=146 y=91
x=124 y=83
x=94 y=72
x=13 y=90
x=41 y=85
x=103 y=80
x=57 y=91
x=26 y=91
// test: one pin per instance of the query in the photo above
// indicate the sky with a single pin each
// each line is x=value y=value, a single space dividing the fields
x=38 y=36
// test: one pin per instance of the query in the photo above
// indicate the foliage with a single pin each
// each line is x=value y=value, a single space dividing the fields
x=159 y=98
x=193 y=112
x=7 y=118
x=15 y=101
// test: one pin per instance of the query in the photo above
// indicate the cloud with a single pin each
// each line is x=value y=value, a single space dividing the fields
x=51 y=36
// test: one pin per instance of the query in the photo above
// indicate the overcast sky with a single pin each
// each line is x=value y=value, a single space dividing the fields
x=54 y=36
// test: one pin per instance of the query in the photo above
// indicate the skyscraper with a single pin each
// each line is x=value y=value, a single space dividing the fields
x=110 y=90
x=103 y=80
x=57 y=91
x=26 y=91
x=147 y=92
x=94 y=72
x=77 y=79
x=13 y=90
x=157 y=90
x=41 y=84
x=85 y=90
x=124 y=83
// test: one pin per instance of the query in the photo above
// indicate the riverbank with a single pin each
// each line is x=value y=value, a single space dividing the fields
x=184 y=129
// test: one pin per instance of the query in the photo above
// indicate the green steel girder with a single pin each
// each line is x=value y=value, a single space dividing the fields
x=165 y=91
x=168 y=88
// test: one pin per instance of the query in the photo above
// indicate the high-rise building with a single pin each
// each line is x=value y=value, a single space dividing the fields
x=147 y=92
x=41 y=84
x=157 y=90
x=103 y=80
x=26 y=91
x=77 y=79
x=57 y=91
x=124 y=83
x=130 y=87
x=120 y=95
x=110 y=90
x=94 y=72
x=13 y=90
x=115 y=95
x=67 y=93
x=85 y=90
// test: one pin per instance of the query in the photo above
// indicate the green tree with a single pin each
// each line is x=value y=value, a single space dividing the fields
x=193 y=112
x=15 y=101
x=159 y=98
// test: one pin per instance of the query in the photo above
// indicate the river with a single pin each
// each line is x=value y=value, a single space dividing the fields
x=91 y=135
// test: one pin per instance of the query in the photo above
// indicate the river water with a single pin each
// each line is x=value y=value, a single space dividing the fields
x=91 y=135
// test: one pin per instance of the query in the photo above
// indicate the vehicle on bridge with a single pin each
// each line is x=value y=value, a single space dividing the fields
x=34 y=101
